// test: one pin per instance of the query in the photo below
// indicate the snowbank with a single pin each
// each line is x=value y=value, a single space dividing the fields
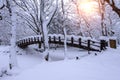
x=103 y=67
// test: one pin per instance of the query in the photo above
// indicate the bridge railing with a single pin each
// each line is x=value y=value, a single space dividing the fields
x=75 y=41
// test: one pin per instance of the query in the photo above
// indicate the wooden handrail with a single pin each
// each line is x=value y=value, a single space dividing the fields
x=58 y=40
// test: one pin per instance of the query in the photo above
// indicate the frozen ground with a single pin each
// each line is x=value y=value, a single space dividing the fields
x=104 y=66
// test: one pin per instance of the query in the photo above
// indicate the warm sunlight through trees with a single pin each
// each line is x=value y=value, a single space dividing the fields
x=88 y=7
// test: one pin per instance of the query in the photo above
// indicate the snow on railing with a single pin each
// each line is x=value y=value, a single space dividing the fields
x=72 y=40
x=30 y=37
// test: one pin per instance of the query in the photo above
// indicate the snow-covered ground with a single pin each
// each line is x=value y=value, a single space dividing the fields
x=104 y=66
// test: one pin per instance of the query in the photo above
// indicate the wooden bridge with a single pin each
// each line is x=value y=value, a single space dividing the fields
x=74 y=41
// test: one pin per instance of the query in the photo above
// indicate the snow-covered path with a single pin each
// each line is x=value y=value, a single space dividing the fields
x=104 y=66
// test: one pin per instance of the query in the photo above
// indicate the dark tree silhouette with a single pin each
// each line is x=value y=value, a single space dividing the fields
x=114 y=7
x=0 y=9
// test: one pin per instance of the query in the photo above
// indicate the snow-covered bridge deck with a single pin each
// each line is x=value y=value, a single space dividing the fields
x=74 y=41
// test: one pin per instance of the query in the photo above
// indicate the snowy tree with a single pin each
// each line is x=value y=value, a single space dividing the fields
x=1 y=7
x=87 y=17
x=46 y=15
x=107 y=9
x=38 y=15
x=29 y=11
x=102 y=12
x=56 y=26
x=12 y=56
x=115 y=4
x=63 y=25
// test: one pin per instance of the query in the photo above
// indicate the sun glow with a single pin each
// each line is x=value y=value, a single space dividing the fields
x=87 y=7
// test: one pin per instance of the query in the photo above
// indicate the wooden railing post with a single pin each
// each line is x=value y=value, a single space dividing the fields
x=42 y=39
x=54 y=38
x=35 y=39
x=24 y=41
x=88 y=46
x=79 y=42
x=29 y=41
x=32 y=40
x=59 y=39
x=39 y=45
x=39 y=42
x=102 y=45
x=38 y=39
x=72 y=40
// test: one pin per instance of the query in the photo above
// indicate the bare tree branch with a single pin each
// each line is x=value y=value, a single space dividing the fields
x=114 y=7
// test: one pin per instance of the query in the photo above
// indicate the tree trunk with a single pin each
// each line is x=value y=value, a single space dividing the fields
x=65 y=42
x=45 y=38
x=12 y=56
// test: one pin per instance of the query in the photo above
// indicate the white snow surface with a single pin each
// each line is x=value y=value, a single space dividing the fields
x=104 y=66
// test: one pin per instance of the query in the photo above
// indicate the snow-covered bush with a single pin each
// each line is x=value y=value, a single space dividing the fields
x=3 y=71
